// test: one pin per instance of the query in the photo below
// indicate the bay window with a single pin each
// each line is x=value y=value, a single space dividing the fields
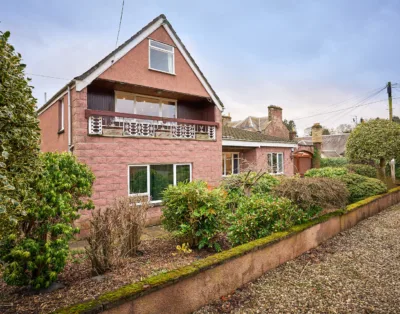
x=161 y=57
x=230 y=164
x=152 y=180
x=145 y=105
x=275 y=163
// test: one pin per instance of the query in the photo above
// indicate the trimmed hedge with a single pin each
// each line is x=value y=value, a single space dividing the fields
x=361 y=187
x=334 y=162
x=364 y=170
x=311 y=194
x=327 y=172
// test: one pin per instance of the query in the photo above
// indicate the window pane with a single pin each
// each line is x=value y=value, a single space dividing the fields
x=223 y=164
x=280 y=163
x=147 y=106
x=160 y=45
x=124 y=102
x=137 y=179
x=168 y=109
x=160 y=60
x=274 y=163
x=228 y=164
x=270 y=167
x=182 y=173
x=235 y=163
x=160 y=177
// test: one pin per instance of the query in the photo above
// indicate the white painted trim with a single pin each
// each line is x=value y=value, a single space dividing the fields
x=69 y=119
x=232 y=161
x=162 y=50
x=118 y=55
x=193 y=67
x=256 y=144
x=41 y=110
x=283 y=162
x=62 y=115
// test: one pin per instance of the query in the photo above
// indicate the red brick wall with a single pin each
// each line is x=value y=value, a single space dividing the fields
x=133 y=68
x=109 y=157
x=50 y=140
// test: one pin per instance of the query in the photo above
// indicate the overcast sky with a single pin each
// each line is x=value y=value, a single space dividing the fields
x=308 y=57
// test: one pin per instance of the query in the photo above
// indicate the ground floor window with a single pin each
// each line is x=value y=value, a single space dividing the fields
x=230 y=164
x=275 y=163
x=151 y=180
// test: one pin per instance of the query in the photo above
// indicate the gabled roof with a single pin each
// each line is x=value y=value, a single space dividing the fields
x=255 y=124
x=230 y=133
x=87 y=77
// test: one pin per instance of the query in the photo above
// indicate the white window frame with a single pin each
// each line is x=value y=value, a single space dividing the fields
x=162 y=50
x=283 y=162
x=224 y=166
x=160 y=100
x=62 y=116
x=148 y=178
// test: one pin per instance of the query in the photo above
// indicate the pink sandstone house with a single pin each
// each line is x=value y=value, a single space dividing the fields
x=145 y=117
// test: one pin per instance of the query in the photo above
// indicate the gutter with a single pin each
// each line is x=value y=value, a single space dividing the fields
x=69 y=120
x=257 y=144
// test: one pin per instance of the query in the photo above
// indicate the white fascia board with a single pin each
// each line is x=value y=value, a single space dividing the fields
x=118 y=55
x=193 y=67
x=44 y=108
x=256 y=144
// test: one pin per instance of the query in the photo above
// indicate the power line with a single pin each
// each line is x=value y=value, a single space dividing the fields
x=47 y=76
x=324 y=113
x=120 y=21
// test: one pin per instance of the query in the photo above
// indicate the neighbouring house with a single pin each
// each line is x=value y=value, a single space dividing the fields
x=332 y=145
x=142 y=118
x=145 y=117
x=271 y=125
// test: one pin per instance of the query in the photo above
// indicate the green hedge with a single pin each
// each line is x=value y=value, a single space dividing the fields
x=327 y=172
x=334 y=162
x=364 y=170
x=361 y=187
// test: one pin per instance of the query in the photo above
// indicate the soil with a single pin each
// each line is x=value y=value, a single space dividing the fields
x=156 y=256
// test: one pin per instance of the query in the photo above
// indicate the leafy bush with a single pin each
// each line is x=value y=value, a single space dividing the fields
x=334 y=162
x=327 y=172
x=260 y=215
x=115 y=232
x=194 y=213
x=313 y=194
x=19 y=139
x=361 y=187
x=364 y=170
x=244 y=184
x=37 y=251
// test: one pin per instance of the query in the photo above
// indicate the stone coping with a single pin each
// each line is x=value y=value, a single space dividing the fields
x=133 y=291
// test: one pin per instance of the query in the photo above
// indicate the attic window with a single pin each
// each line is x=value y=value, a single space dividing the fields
x=161 y=57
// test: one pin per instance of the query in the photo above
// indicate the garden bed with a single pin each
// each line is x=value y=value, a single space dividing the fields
x=156 y=256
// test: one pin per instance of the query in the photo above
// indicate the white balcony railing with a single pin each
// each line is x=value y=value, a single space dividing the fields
x=150 y=127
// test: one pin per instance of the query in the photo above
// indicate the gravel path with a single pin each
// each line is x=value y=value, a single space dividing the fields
x=358 y=271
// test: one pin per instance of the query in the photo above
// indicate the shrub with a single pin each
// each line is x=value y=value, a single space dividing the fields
x=364 y=170
x=313 y=194
x=327 y=172
x=115 y=232
x=37 y=252
x=194 y=213
x=247 y=183
x=260 y=215
x=334 y=162
x=19 y=139
x=361 y=187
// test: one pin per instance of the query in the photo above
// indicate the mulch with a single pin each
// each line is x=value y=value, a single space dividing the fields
x=156 y=256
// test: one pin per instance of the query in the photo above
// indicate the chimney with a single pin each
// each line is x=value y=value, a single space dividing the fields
x=274 y=113
x=292 y=135
x=316 y=133
x=226 y=120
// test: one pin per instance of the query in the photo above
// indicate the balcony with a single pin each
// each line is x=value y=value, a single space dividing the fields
x=115 y=124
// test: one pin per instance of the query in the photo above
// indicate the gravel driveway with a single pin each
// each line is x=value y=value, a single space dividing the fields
x=358 y=271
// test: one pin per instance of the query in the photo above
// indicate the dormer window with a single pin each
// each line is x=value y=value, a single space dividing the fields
x=161 y=57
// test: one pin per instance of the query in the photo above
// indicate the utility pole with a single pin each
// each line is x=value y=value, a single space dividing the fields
x=389 y=91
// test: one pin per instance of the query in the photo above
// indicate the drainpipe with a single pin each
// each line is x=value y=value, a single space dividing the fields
x=69 y=121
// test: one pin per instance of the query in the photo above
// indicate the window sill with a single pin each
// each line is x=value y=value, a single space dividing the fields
x=61 y=131
x=162 y=71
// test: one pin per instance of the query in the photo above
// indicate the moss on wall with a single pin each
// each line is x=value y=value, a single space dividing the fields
x=135 y=290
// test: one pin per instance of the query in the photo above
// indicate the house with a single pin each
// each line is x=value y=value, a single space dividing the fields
x=145 y=117
x=270 y=125
x=333 y=145
x=242 y=149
